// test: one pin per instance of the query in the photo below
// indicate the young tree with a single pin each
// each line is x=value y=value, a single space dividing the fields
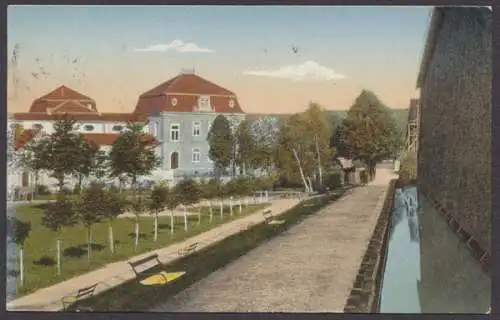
x=368 y=132
x=20 y=232
x=172 y=202
x=138 y=205
x=209 y=191
x=133 y=154
x=58 y=216
x=158 y=202
x=189 y=193
x=221 y=142
x=320 y=130
x=115 y=207
x=296 y=150
x=90 y=207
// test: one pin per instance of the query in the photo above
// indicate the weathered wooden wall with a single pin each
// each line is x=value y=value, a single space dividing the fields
x=454 y=160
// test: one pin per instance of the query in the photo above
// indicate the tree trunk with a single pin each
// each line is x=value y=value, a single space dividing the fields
x=211 y=210
x=136 y=242
x=310 y=184
x=80 y=181
x=172 y=222
x=320 y=169
x=239 y=203
x=185 y=219
x=296 y=155
x=156 y=226
x=21 y=265
x=111 y=238
x=221 y=209
x=199 y=215
x=231 y=206
x=89 y=243
x=58 y=248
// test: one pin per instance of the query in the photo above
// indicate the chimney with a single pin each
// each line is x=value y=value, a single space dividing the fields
x=188 y=71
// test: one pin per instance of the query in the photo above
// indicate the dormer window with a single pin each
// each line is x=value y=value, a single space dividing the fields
x=231 y=103
x=174 y=101
x=204 y=103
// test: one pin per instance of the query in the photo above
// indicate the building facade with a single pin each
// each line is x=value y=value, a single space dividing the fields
x=102 y=129
x=180 y=113
x=454 y=152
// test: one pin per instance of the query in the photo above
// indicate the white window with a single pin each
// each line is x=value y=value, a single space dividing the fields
x=117 y=128
x=196 y=155
x=204 y=103
x=154 y=128
x=88 y=127
x=174 y=132
x=196 y=128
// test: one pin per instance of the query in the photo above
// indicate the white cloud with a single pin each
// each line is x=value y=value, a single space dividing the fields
x=305 y=71
x=175 y=45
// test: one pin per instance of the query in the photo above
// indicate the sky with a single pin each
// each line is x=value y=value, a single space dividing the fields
x=276 y=59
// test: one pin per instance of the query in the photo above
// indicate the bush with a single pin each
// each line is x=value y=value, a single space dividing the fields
x=66 y=191
x=333 y=180
x=364 y=177
x=408 y=167
x=43 y=190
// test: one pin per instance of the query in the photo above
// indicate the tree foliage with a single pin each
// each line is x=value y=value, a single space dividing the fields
x=189 y=192
x=60 y=214
x=368 y=133
x=132 y=154
x=246 y=145
x=221 y=143
x=19 y=230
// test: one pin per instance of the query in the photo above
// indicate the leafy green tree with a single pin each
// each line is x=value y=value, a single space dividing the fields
x=64 y=150
x=264 y=131
x=89 y=208
x=221 y=142
x=58 y=216
x=172 y=202
x=20 y=232
x=133 y=154
x=86 y=161
x=100 y=165
x=189 y=193
x=116 y=205
x=368 y=132
x=210 y=190
x=158 y=202
x=34 y=158
x=296 y=150
x=246 y=145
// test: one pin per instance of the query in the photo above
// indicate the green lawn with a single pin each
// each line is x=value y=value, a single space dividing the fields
x=132 y=296
x=40 y=248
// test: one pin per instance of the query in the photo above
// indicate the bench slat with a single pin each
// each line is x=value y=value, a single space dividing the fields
x=136 y=263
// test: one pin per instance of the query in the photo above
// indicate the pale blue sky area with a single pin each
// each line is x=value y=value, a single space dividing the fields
x=362 y=43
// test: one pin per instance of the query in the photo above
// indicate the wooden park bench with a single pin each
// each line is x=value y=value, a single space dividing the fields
x=74 y=300
x=188 y=249
x=148 y=272
x=269 y=219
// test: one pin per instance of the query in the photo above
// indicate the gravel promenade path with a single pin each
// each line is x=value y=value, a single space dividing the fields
x=310 y=268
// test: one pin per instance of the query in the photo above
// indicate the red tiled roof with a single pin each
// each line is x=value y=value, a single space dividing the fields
x=91 y=116
x=188 y=83
x=59 y=96
x=64 y=93
x=24 y=138
x=186 y=89
x=99 y=139
x=107 y=139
